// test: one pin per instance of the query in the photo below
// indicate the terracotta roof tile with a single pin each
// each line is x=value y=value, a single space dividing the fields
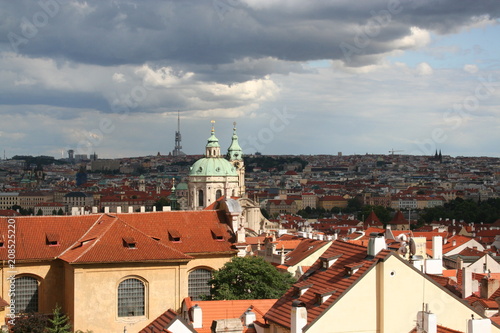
x=305 y=248
x=332 y=279
x=215 y=310
x=80 y=238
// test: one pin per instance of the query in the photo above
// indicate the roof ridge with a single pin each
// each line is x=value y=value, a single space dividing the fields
x=114 y=219
x=78 y=241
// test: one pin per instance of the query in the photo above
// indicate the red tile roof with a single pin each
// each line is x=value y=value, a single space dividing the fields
x=82 y=238
x=332 y=279
x=111 y=239
x=303 y=250
x=215 y=310
x=161 y=322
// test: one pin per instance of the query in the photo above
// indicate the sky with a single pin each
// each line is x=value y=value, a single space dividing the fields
x=297 y=77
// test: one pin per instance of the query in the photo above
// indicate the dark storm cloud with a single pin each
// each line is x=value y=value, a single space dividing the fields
x=223 y=31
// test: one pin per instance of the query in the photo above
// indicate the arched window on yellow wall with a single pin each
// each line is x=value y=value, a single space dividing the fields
x=26 y=298
x=198 y=283
x=131 y=298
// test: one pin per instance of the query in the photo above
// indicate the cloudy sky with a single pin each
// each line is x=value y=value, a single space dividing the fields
x=298 y=77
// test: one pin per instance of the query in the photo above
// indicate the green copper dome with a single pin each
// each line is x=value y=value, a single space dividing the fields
x=213 y=166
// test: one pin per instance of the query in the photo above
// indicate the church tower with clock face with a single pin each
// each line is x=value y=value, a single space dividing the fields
x=214 y=176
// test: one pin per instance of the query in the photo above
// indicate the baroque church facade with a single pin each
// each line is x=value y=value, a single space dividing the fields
x=214 y=176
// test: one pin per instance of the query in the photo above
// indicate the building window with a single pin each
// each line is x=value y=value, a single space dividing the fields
x=200 y=198
x=218 y=194
x=131 y=298
x=26 y=294
x=198 y=283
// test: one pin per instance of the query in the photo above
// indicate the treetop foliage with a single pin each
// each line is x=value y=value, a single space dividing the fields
x=249 y=278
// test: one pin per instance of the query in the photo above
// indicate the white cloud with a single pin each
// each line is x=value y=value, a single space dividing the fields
x=119 y=77
x=472 y=69
x=424 y=69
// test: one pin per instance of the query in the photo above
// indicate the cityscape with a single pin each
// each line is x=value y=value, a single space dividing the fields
x=250 y=166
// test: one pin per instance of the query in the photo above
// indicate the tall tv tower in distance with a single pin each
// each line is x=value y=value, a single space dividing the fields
x=177 y=150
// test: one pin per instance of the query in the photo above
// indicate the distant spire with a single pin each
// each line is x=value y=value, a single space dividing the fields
x=177 y=150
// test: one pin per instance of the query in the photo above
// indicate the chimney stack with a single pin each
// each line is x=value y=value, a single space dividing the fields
x=197 y=315
x=437 y=247
x=376 y=243
x=466 y=282
x=299 y=317
x=479 y=325
x=249 y=317
x=427 y=322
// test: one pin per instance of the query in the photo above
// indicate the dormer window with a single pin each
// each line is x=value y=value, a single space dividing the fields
x=327 y=262
x=129 y=242
x=52 y=239
x=301 y=290
x=323 y=297
x=174 y=236
x=217 y=234
x=351 y=269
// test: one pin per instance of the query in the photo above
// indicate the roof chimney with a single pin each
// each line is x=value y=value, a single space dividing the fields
x=299 y=317
x=248 y=317
x=426 y=322
x=106 y=210
x=466 y=282
x=197 y=316
x=437 y=247
x=130 y=209
x=118 y=209
x=488 y=287
x=143 y=209
x=479 y=325
x=376 y=243
x=166 y=208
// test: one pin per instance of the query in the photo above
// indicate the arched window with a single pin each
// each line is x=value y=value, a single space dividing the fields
x=218 y=194
x=131 y=298
x=26 y=294
x=200 y=198
x=198 y=283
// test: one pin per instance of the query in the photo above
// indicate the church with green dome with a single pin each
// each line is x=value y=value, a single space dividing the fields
x=215 y=175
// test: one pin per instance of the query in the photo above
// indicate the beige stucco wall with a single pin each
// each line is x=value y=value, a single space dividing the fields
x=51 y=280
x=96 y=294
x=388 y=299
x=89 y=293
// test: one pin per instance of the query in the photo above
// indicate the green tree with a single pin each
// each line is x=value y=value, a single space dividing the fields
x=59 y=323
x=60 y=212
x=249 y=278
x=160 y=203
x=39 y=212
x=383 y=213
x=30 y=323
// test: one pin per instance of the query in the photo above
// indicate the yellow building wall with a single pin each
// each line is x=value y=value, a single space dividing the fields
x=50 y=277
x=88 y=294
x=388 y=299
x=96 y=292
